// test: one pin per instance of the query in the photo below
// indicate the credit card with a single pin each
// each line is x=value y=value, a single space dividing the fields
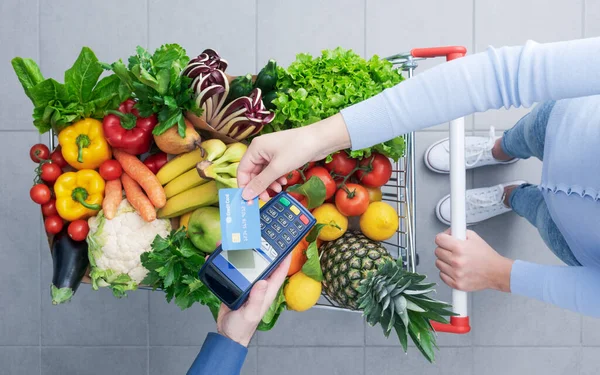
x=240 y=221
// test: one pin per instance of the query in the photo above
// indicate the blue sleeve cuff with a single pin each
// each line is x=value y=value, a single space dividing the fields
x=528 y=279
x=219 y=356
x=368 y=122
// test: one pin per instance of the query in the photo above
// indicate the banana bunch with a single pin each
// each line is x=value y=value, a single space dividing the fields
x=186 y=188
x=224 y=169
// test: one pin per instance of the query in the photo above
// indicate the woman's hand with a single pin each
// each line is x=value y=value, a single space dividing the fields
x=239 y=325
x=273 y=155
x=472 y=264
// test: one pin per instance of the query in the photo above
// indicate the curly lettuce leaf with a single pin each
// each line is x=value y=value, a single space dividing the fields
x=312 y=89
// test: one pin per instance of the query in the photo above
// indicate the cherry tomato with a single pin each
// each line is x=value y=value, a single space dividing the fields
x=293 y=177
x=352 y=200
x=323 y=174
x=57 y=157
x=110 y=170
x=39 y=152
x=49 y=208
x=271 y=193
x=308 y=165
x=341 y=164
x=78 y=230
x=50 y=172
x=377 y=172
x=53 y=224
x=40 y=193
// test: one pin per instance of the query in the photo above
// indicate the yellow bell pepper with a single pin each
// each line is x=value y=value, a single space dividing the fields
x=84 y=145
x=79 y=194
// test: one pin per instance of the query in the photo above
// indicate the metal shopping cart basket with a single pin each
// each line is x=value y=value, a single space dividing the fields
x=400 y=191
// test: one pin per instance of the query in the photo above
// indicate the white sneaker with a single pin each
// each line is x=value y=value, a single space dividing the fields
x=478 y=153
x=482 y=204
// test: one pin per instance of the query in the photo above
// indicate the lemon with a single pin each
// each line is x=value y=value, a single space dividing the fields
x=301 y=292
x=379 y=222
x=336 y=223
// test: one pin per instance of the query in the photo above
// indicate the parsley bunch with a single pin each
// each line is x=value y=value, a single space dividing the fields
x=173 y=266
x=157 y=84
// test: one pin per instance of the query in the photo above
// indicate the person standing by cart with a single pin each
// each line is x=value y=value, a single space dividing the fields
x=565 y=134
x=563 y=131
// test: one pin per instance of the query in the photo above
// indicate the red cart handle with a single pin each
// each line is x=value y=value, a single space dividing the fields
x=458 y=325
x=450 y=52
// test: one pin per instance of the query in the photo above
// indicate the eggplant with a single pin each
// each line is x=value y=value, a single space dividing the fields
x=70 y=262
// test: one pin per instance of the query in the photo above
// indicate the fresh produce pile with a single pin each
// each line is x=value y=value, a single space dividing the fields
x=129 y=196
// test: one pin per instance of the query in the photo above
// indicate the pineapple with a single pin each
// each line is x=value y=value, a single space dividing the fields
x=359 y=274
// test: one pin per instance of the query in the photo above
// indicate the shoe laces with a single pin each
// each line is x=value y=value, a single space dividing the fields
x=478 y=150
x=485 y=199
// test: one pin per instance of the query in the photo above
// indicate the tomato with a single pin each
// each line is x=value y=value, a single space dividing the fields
x=377 y=171
x=50 y=172
x=78 y=230
x=110 y=170
x=308 y=165
x=39 y=152
x=156 y=162
x=297 y=196
x=49 y=208
x=57 y=157
x=323 y=174
x=53 y=224
x=352 y=200
x=293 y=177
x=40 y=193
x=341 y=164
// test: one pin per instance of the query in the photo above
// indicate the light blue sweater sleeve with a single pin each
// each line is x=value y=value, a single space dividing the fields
x=505 y=77
x=573 y=288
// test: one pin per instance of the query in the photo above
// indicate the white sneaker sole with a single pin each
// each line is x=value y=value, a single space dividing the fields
x=433 y=169
x=444 y=199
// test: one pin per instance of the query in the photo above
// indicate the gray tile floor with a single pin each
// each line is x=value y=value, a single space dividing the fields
x=141 y=334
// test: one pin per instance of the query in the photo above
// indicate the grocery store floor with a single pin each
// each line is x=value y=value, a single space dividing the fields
x=98 y=334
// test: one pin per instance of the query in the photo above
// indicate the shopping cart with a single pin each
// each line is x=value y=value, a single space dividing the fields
x=401 y=192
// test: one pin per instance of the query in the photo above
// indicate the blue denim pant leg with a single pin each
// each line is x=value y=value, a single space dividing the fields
x=526 y=138
x=527 y=201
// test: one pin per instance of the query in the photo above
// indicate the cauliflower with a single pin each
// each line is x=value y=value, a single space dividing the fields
x=115 y=247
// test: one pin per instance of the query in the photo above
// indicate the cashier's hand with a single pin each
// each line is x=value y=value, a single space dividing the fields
x=239 y=325
x=472 y=264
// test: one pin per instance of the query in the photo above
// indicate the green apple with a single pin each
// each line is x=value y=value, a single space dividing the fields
x=204 y=228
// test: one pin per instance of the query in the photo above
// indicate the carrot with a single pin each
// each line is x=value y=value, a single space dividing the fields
x=113 y=194
x=138 y=199
x=143 y=176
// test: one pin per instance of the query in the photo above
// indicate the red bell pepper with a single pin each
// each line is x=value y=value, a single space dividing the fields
x=156 y=161
x=126 y=130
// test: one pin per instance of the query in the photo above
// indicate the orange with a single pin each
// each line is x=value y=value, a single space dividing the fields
x=298 y=257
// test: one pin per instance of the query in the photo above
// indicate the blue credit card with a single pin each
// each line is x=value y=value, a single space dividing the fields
x=240 y=221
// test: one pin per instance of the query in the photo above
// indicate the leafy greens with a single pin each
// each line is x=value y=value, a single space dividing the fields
x=173 y=266
x=57 y=105
x=157 y=84
x=312 y=89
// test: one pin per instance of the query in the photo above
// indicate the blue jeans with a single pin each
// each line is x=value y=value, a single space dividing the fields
x=524 y=140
